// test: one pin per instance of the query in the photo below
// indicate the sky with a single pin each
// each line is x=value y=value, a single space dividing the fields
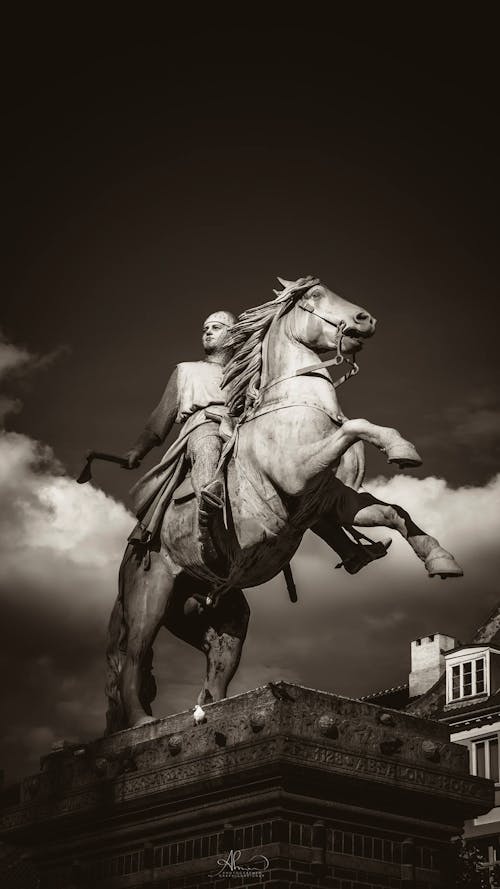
x=151 y=182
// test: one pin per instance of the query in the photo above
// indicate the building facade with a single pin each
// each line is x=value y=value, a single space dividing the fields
x=459 y=685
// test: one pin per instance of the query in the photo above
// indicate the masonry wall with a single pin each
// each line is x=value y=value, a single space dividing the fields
x=301 y=853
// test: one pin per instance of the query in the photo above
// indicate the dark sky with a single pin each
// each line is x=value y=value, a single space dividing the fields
x=148 y=182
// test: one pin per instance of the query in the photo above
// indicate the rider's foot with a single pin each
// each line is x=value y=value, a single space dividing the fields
x=364 y=554
x=211 y=500
x=441 y=562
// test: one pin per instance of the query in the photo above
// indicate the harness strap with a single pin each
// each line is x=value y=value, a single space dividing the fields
x=311 y=368
x=279 y=405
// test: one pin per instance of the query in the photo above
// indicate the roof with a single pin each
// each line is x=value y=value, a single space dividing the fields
x=396 y=697
x=472 y=645
x=463 y=709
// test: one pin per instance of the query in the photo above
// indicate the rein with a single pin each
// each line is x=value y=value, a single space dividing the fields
x=337 y=360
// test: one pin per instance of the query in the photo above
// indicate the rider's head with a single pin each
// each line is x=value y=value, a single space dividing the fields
x=214 y=331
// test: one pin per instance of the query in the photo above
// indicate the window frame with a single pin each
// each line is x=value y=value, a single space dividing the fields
x=459 y=664
x=486 y=739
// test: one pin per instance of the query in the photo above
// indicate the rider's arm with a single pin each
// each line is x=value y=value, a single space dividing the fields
x=158 y=425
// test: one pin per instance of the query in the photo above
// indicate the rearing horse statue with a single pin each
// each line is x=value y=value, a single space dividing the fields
x=289 y=441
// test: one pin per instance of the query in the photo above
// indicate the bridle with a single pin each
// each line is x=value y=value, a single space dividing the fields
x=311 y=368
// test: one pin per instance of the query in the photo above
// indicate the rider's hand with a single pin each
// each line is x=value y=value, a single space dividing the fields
x=133 y=459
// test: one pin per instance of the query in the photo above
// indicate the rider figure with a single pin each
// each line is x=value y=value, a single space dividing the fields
x=193 y=388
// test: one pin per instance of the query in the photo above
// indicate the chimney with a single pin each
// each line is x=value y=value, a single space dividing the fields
x=427 y=661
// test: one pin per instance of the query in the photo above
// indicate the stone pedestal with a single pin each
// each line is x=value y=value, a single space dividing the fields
x=282 y=786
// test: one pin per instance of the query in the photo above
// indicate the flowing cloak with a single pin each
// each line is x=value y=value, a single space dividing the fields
x=193 y=387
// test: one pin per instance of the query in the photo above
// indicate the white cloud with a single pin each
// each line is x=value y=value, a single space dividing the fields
x=60 y=541
x=17 y=363
x=12 y=357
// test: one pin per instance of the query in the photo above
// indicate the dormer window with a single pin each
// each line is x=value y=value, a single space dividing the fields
x=467 y=679
x=469 y=672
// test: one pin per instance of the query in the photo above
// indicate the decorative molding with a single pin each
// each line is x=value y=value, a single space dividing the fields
x=405 y=774
x=331 y=759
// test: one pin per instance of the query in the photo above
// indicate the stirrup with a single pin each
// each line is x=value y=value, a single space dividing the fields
x=364 y=555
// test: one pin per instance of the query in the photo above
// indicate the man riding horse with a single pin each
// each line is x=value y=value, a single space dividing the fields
x=193 y=398
x=188 y=561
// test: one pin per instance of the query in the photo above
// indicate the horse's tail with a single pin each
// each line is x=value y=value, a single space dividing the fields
x=115 y=654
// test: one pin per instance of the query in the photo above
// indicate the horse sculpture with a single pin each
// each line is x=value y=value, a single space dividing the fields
x=290 y=439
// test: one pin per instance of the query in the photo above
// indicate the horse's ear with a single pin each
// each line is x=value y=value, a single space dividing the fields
x=285 y=283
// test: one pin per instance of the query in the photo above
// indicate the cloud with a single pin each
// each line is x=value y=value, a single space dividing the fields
x=9 y=406
x=11 y=357
x=17 y=364
x=16 y=360
x=60 y=549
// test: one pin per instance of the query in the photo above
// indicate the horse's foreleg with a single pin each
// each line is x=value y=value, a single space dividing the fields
x=436 y=559
x=145 y=598
x=327 y=452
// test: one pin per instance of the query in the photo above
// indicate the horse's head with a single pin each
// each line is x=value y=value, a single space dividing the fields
x=324 y=321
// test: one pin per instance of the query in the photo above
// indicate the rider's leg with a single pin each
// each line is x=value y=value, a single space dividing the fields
x=437 y=560
x=204 y=450
x=341 y=503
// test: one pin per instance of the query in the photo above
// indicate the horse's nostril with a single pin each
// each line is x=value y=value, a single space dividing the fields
x=362 y=316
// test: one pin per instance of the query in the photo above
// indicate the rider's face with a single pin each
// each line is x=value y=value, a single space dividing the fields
x=212 y=333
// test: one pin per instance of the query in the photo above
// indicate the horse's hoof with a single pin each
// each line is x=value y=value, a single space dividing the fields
x=441 y=563
x=404 y=454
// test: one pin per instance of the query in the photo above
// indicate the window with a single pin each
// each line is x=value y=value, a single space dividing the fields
x=484 y=756
x=467 y=679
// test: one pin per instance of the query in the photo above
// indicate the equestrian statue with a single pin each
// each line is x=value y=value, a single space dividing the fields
x=264 y=453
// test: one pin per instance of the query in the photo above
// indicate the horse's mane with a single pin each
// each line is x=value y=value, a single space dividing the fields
x=242 y=374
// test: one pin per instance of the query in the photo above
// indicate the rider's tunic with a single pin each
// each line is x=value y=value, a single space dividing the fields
x=194 y=387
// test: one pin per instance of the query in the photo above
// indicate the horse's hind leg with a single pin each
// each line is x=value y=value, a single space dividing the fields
x=146 y=592
x=219 y=632
x=222 y=643
x=437 y=560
